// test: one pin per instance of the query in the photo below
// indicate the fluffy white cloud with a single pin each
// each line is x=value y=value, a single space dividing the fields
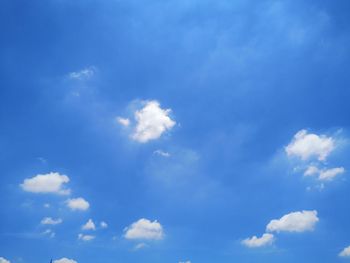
x=185 y=261
x=330 y=174
x=103 y=224
x=3 y=260
x=78 y=204
x=83 y=74
x=64 y=260
x=152 y=122
x=51 y=221
x=294 y=222
x=266 y=239
x=90 y=225
x=85 y=237
x=123 y=121
x=46 y=183
x=345 y=252
x=306 y=145
x=144 y=229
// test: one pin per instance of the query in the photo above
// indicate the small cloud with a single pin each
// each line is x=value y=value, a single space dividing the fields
x=345 y=252
x=42 y=160
x=46 y=183
x=103 y=224
x=187 y=261
x=47 y=205
x=152 y=121
x=83 y=74
x=64 y=260
x=330 y=174
x=50 y=221
x=294 y=222
x=324 y=174
x=85 y=237
x=253 y=242
x=311 y=170
x=162 y=153
x=78 y=204
x=123 y=121
x=140 y=246
x=306 y=145
x=90 y=225
x=144 y=229
x=4 y=260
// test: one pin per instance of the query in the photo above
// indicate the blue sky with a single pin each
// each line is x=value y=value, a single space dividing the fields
x=174 y=131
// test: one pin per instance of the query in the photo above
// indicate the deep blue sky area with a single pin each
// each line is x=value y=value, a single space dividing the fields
x=198 y=131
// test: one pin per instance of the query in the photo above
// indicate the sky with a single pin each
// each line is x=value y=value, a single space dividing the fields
x=174 y=131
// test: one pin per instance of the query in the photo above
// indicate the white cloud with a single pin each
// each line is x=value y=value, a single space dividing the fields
x=47 y=205
x=90 y=225
x=324 y=174
x=152 y=122
x=3 y=260
x=306 y=145
x=345 y=252
x=330 y=174
x=144 y=229
x=51 y=221
x=65 y=260
x=103 y=224
x=85 y=237
x=266 y=239
x=294 y=222
x=162 y=153
x=311 y=170
x=46 y=183
x=185 y=261
x=78 y=204
x=123 y=121
x=83 y=74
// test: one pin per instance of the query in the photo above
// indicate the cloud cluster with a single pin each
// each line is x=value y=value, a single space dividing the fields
x=46 y=183
x=151 y=121
x=324 y=174
x=315 y=149
x=298 y=222
x=144 y=229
